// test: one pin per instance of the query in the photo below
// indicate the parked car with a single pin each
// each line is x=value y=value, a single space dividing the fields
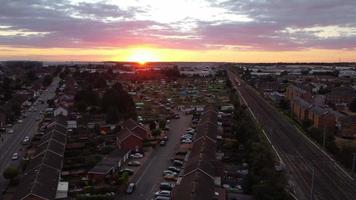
x=164 y=193
x=15 y=156
x=162 y=143
x=10 y=131
x=174 y=169
x=166 y=186
x=134 y=163
x=136 y=155
x=186 y=141
x=161 y=198
x=177 y=163
x=169 y=172
x=127 y=170
x=170 y=177
x=130 y=188
x=186 y=136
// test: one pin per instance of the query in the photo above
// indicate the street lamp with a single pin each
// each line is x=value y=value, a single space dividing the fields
x=312 y=185
x=353 y=164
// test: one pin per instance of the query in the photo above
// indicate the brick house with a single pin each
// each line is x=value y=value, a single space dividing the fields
x=347 y=127
x=294 y=92
x=321 y=118
x=300 y=108
x=133 y=126
x=341 y=95
x=129 y=140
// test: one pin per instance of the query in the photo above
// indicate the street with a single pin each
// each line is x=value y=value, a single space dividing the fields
x=151 y=173
x=28 y=127
x=307 y=164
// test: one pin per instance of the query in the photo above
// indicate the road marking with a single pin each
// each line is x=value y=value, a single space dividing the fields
x=145 y=170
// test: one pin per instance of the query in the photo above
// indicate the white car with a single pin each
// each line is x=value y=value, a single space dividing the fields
x=10 y=131
x=26 y=140
x=165 y=193
x=136 y=155
x=19 y=121
x=15 y=156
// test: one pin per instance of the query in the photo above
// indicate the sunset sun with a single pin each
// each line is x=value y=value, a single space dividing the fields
x=142 y=56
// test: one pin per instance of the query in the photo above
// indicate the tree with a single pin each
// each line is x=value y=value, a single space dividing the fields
x=156 y=132
x=353 y=106
x=11 y=173
x=162 y=124
x=152 y=125
x=112 y=115
x=123 y=179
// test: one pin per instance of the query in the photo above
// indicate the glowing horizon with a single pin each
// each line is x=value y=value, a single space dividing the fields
x=178 y=30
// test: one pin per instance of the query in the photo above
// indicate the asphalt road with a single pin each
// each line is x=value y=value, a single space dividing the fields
x=28 y=127
x=301 y=156
x=147 y=183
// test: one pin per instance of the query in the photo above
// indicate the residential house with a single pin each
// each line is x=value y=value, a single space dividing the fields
x=347 y=126
x=300 y=108
x=133 y=126
x=41 y=179
x=321 y=118
x=128 y=140
x=200 y=179
x=294 y=91
x=109 y=165
x=341 y=96
x=60 y=111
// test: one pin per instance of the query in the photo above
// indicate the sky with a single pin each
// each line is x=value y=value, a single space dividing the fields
x=178 y=30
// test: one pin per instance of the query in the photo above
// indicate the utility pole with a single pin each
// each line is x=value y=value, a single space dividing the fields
x=324 y=135
x=353 y=164
x=312 y=185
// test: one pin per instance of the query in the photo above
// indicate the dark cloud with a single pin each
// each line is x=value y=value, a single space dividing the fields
x=106 y=25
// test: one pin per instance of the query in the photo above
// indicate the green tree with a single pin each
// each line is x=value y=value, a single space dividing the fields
x=11 y=173
x=156 y=132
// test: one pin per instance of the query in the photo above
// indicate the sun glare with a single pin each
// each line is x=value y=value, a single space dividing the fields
x=142 y=56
